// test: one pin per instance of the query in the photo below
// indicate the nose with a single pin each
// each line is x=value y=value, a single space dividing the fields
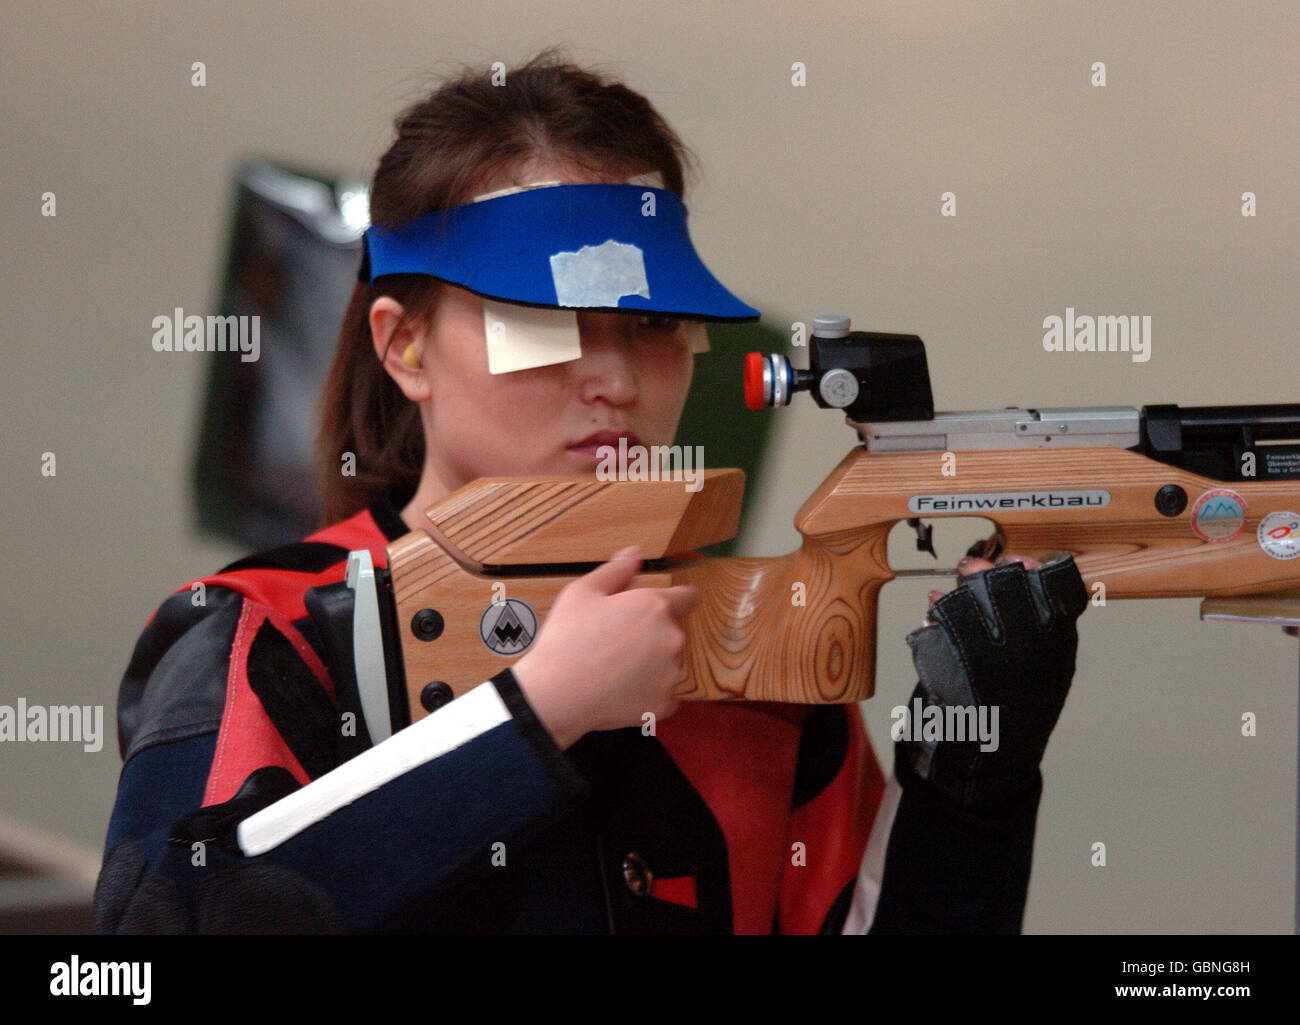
x=607 y=368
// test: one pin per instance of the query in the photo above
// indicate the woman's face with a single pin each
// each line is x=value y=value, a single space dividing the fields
x=631 y=379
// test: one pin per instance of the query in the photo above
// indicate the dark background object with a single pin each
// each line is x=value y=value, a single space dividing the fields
x=292 y=260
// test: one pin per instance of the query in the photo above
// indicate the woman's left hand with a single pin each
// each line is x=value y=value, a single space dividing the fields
x=974 y=564
x=1001 y=646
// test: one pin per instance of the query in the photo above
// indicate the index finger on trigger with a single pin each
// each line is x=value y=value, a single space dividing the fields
x=968 y=565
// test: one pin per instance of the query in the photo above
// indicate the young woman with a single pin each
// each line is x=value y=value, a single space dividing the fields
x=530 y=294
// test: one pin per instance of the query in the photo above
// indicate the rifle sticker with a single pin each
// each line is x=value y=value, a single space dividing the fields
x=508 y=627
x=1279 y=535
x=1219 y=515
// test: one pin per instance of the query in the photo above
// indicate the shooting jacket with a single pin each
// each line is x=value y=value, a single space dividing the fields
x=742 y=817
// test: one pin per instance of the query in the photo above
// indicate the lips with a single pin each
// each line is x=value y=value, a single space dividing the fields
x=595 y=441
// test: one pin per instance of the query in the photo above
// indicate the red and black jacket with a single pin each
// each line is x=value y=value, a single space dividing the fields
x=747 y=817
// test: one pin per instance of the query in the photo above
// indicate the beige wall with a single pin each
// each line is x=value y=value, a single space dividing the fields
x=1123 y=199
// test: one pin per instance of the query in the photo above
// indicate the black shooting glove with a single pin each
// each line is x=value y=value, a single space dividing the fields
x=1004 y=639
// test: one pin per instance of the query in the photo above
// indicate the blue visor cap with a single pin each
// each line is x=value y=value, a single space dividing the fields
x=599 y=247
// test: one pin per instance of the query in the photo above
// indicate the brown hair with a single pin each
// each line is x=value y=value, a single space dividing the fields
x=448 y=144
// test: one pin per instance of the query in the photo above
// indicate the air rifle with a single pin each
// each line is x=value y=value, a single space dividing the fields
x=1157 y=502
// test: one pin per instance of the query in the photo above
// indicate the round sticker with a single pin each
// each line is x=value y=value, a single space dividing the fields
x=508 y=627
x=1279 y=535
x=1219 y=515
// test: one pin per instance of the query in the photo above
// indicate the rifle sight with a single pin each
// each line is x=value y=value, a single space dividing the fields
x=870 y=375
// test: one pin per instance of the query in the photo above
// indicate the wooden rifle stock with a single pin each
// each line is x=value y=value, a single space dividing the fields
x=799 y=627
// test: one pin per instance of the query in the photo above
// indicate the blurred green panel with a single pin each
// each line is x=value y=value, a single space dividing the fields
x=715 y=415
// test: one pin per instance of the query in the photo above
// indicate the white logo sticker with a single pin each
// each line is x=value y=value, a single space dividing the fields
x=1279 y=535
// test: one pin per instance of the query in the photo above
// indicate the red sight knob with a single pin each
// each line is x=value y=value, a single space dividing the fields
x=754 y=391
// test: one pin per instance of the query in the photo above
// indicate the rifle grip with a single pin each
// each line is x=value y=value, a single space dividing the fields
x=796 y=628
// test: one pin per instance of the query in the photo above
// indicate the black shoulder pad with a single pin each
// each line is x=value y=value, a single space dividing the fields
x=294 y=700
x=822 y=750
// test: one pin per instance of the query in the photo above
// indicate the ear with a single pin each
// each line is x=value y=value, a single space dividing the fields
x=391 y=343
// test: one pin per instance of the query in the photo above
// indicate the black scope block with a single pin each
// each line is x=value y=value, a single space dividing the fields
x=893 y=376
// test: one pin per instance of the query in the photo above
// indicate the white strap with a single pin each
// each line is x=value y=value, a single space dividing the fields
x=871 y=873
x=469 y=716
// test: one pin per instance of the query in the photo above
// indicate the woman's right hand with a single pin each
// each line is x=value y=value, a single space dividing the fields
x=606 y=656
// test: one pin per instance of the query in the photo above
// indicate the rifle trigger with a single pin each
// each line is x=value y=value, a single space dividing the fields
x=924 y=536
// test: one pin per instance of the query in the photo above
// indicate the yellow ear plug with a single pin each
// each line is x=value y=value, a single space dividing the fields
x=410 y=358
